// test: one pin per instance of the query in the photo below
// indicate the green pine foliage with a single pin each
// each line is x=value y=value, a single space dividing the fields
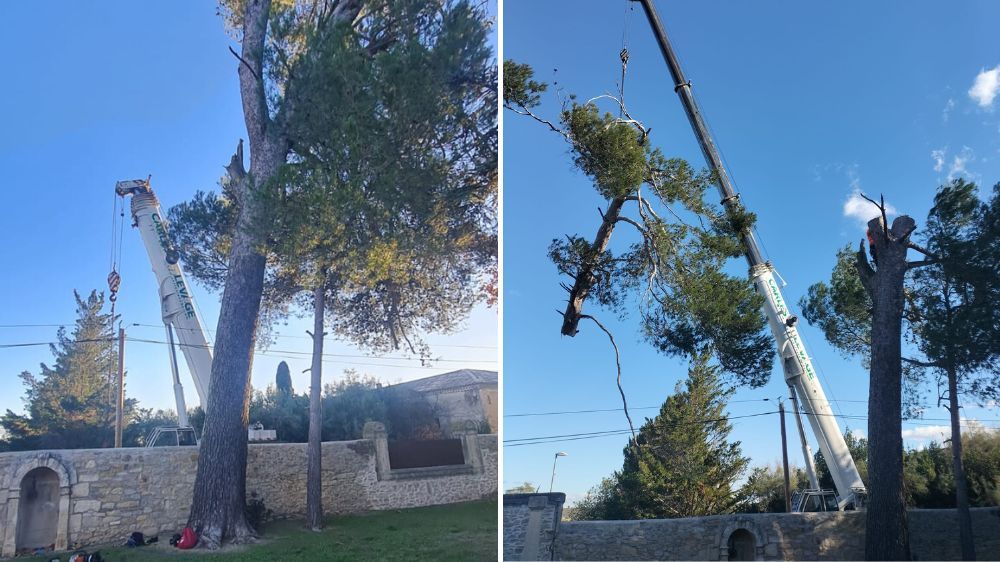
x=676 y=275
x=70 y=404
x=682 y=463
x=389 y=197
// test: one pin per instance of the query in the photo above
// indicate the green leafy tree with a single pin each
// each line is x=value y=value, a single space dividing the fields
x=947 y=305
x=676 y=267
x=764 y=490
x=318 y=79
x=70 y=403
x=603 y=502
x=857 y=446
x=522 y=488
x=287 y=414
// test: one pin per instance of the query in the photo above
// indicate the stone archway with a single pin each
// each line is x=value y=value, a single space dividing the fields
x=742 y=539
x=41 y=485
x=38 y=511
x=741 y=545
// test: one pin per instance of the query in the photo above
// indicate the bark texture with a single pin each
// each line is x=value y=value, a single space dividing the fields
x=886 y=535
x=585 y=278
x=314 y=453
x=218 y=507
x=961 y=484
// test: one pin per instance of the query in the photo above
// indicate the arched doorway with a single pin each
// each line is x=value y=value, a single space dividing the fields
x=742 y=545
x=38 y=512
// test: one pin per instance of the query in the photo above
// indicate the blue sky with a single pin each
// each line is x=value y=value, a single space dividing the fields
x=119 y=90
x=809 y=103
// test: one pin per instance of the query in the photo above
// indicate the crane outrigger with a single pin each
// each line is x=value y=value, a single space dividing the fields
x=800 y=375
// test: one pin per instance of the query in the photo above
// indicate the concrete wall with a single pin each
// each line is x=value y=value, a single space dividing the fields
x=529 y=525
x=105 y=494
x=778 y=536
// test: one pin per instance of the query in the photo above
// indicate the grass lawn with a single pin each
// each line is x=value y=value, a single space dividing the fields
x=465 y=531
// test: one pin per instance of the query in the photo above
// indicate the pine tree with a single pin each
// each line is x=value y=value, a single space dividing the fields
x=946 y=305
x=682 y=464
x=70 y=404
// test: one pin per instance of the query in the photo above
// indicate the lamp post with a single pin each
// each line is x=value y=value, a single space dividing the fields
x=553 y=481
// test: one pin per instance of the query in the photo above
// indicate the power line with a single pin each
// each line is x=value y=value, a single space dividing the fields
x=539 y=440
x=289 y=336
x=270 y=352
x=529 y=414
x=276 y=352
x=596 y=434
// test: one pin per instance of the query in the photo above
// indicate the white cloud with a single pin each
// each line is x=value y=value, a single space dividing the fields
x=928 y=433
x=938 y=156
x=958 y=162
x=947 y=110
x=986 y=87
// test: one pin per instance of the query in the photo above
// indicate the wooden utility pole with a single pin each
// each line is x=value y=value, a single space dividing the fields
x=120 y=406
x=784 y=457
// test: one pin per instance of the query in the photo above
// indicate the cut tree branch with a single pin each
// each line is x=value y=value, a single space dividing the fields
x=618 y=363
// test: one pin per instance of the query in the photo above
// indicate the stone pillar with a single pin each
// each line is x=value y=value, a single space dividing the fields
x=10 y=526
x=468 y=432
x=530 y=525
x=375 y=431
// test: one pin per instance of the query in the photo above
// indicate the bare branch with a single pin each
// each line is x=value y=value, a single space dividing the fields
x=881 y=208
x=243 y=60
x=921 y=263
x=923 y=250
x=618 y=363
x=919 y=363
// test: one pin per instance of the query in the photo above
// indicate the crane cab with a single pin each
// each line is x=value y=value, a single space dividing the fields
x=168 y=436
x=812 y=501
x=809 y=501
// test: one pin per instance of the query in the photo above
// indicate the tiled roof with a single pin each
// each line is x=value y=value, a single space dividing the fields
x=455 y=379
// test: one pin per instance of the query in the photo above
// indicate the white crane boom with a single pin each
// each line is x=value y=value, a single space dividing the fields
x=798 y=368
x=179 y=313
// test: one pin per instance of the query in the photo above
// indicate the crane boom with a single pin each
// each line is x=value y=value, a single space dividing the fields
x=795 y=361
x=179 y=313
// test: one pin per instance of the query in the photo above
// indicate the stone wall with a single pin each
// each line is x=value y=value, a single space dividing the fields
x=105 y=494
x=776 y=536
x=530 y=522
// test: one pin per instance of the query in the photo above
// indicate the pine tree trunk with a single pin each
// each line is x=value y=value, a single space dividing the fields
x=314 y=474
x=886 y=535
x=585 y=277
x=218 y=509
x=961 y=484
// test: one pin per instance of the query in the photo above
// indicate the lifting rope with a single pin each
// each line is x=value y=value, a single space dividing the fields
x=114 y=278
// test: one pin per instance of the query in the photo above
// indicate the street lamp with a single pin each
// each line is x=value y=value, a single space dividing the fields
x=553 y=481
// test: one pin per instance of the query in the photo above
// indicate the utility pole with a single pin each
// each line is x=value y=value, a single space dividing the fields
x=121 y=387
x=784 y=457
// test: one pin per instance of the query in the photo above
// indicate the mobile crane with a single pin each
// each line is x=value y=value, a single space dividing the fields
x=798 y=369
x=177 y=308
